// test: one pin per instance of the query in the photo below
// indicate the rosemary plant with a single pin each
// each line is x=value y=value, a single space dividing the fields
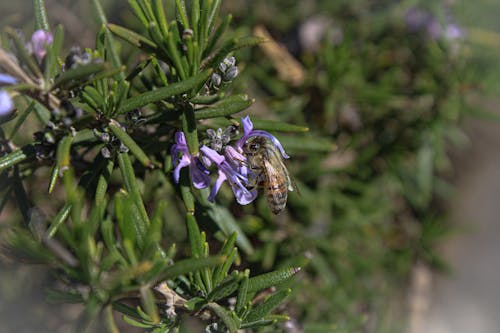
x=129 y=151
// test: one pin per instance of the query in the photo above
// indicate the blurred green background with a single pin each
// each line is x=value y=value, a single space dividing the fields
x=384 y=105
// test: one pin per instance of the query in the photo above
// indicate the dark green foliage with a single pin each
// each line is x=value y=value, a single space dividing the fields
x=103 y=137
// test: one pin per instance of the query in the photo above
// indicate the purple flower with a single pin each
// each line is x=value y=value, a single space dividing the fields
x=249 y=132
x=39 y=42
x=417 y=18
x=453 y=31
x=228 y=169
x=182 y=158
x=7 y=79
x=6 y=103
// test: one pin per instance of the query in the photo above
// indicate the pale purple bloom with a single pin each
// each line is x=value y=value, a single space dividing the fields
x=7 y=79
x=453 y=31
x=228 y=171
x=181 y=157
x=249 y=132
x=39 y=42
x=6 y=103
x=417 y=18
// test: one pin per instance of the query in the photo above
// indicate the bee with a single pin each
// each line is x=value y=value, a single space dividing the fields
x=266 y=165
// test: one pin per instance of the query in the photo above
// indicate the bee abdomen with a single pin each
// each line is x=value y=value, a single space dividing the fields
x=277 y=195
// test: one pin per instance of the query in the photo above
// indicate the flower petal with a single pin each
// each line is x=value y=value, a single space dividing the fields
x=217 y=185
x=7 y=79
x=247 y=125
x=212 y=155
x=244 y=196
x=6 y=103
x=247 y=129
x=183 y=162
x=180 y=138
x=39 y=41
x=199 y=174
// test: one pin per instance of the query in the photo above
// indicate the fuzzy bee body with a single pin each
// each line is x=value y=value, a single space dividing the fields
x=269 y=171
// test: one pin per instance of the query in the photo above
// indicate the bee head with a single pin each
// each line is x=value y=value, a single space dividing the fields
x=253 y=145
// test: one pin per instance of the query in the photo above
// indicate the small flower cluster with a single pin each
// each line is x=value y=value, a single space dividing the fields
x=38 y=47
x=228 y=160
x=420 y=19
x=226 y=72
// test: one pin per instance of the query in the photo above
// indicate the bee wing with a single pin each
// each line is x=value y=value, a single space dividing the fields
x=276 y=159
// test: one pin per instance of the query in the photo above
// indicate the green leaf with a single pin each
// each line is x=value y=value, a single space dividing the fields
x=52 y=58
x=224 y=289
x=186 y=191
x=131 y=186
x=149 y=304
x=195 y=241
x=53 y=178
x=278 y=126
x=221 y=29
x=180 y=6
x=226 y=222
x=267 y=306
x=214 y=13
x=41 y=21
x=225 y=107
x=136 y=323
x=208 y=99
x=185 y=266
x=109 y=42
x=22 y=117
x=15 y=157
x=221 y=272
x=102 y=183
x=160 y=16
x=176 y=56
x=258 y=323
x=77 y=74
x=307 y=144
x=130 y=143
x=242 y=299
x=164 y=93
x=63 y=154
x=59 y=219
x=225 y=316
x=132 y=37
x=271 y=279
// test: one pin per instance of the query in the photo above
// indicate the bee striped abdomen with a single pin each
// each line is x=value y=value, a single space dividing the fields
x=277 y=195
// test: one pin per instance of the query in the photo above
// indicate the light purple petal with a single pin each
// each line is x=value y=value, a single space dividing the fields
x=247 y=125
x=217 y=185
x=244 y=196
x=7 y=79
x=233 y=155
x=184 y=161
x=453 y=31
x=6 y=103
x=272 y=138
x=212 y=155
x=180 y=138
x=179 y=148
x=39 y=42
x=199 y=174
x=247 y=129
